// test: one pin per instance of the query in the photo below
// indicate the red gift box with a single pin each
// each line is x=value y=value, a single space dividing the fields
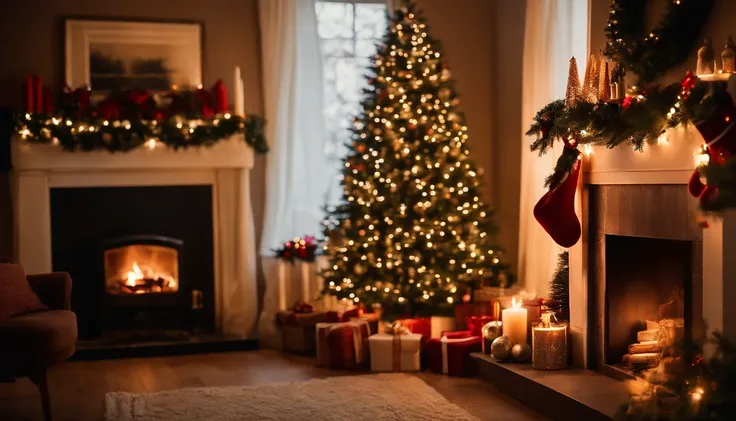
x=465 y=310
x=343 y=345
x=475 y=324
x=451 y=354
x=420 y=325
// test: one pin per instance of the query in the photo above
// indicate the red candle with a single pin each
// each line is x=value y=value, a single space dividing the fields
x=48 y=101
x=38 y=92
x=220 y=96
x=28 y=94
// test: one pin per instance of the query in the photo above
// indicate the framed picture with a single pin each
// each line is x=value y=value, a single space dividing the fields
x=112 y=56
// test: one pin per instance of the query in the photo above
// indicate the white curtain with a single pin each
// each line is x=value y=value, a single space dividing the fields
x=296 y=177
x=297 y=174
x=555 y=30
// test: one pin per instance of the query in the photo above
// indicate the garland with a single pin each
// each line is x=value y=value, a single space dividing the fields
x=649 y=55
x=92 y=134
x=127 y=120
x=644 y=116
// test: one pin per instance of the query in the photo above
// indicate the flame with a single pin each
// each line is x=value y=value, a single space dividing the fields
x=135 y=275
x=514 y=303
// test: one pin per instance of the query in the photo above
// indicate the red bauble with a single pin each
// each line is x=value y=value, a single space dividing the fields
x=555 y=211
x=626 y=103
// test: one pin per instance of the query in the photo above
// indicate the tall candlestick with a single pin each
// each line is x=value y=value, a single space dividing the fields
x=239 y=96
x=28 y=96
x=514 y=322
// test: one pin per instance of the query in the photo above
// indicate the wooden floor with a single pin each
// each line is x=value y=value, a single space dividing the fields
x=78 y=388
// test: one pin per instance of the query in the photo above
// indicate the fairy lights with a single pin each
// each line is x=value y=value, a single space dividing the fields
x=412 y=214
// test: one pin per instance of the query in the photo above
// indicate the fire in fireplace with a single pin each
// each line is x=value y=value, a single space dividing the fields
x=141 y=269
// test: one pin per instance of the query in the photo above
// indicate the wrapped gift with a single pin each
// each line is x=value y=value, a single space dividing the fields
x=475 y=324
x=298 y=329
x=373 y=320
x=451 y=355
x=395 y=352
x=342 y=345
x=420 y=325
x=465 y=310
x=441 y=324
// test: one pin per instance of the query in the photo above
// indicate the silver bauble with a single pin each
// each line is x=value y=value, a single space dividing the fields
x=521 y=353
x=501 y=347
x=490 y=331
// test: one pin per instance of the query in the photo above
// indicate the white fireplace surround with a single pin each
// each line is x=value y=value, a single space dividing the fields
x=225 y=166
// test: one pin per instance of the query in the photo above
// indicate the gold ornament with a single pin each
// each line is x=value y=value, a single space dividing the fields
x=501 y=347
x=728 y=56
x=604 y=82
x=490 y=332
x=572 y=95
x=706 y=58
x=521 y=353
x=590 y=84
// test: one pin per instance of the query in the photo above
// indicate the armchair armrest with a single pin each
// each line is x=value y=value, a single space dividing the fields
x=54 y=289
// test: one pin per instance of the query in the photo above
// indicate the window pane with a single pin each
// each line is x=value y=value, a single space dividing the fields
x=335 y=20
x=370 y=21
x=349 y=33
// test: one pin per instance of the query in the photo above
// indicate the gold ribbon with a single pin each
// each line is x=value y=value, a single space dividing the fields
x=396 y=329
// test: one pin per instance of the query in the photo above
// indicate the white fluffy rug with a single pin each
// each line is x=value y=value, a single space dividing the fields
x=371 y=397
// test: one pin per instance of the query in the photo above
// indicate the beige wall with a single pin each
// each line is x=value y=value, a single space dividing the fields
x=508 y=43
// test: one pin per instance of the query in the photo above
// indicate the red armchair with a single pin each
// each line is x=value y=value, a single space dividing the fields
x=33 y=342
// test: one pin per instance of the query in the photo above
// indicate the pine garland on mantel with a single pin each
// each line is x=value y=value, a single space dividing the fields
x=92 y=134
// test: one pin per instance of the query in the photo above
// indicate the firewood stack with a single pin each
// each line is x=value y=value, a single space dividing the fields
x=647 y=352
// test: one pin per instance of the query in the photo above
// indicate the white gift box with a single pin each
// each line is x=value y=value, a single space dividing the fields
x=395 y=352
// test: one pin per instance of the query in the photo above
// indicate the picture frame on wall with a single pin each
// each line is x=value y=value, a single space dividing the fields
x=111 y=55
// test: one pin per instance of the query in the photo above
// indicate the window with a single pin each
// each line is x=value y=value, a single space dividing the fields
x=349 y=32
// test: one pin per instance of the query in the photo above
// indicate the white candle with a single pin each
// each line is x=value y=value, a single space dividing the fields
x=239 y=97
x=282 y=285
x=306 y=284
x=514 y=322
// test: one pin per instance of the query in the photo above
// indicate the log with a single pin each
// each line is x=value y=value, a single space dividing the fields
x=647 y=335
x=644 y=347
x=641 y=361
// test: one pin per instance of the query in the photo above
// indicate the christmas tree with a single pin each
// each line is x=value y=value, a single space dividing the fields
x=412 y=232
x=559 y=288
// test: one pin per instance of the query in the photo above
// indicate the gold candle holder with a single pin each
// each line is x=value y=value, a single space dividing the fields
x=549 y=345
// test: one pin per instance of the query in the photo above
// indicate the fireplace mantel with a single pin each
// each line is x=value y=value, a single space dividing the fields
x=225 y=166
x=670 y=162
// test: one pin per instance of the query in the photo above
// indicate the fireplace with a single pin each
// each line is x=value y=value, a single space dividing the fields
x=645 y=278
x=142 y=260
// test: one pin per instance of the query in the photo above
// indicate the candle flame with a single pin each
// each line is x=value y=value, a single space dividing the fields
x=514 y=303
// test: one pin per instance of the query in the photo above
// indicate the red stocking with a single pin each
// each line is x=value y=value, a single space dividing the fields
x=720 y=137
x=555 y=211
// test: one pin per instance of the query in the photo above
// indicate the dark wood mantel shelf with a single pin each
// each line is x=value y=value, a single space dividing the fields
x=573 y=394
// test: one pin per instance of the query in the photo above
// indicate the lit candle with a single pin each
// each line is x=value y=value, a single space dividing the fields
x=549 y=345
x=514 y=322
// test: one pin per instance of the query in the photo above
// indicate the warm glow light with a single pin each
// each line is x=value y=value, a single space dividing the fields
x=514 y=303
x=151 y=144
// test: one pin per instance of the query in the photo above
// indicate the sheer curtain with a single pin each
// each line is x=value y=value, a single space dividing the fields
x=555 y=30
x=297 y=174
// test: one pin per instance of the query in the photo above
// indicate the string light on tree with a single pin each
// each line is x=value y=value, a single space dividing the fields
x=412 y=226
